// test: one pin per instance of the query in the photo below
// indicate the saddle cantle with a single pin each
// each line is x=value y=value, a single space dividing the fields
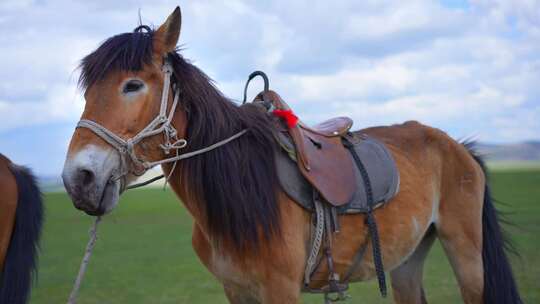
x=322 y=158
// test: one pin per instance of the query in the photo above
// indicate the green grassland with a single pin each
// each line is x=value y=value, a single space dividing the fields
x=144 y=252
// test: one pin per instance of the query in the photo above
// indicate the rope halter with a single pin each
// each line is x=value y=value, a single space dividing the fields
x=162 y=123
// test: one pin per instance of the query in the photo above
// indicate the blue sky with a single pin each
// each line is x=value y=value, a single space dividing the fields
x=471 y=68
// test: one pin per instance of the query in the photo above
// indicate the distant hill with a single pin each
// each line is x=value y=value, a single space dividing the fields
x=528 y=151
x=50 y=183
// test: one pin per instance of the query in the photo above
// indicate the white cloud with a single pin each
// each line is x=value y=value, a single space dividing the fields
x=355 y=82
x=62 y=103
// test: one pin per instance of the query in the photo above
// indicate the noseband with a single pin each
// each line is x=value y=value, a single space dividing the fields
x=162 y=123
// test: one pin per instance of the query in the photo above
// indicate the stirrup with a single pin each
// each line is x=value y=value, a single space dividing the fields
x=337 y=296
x=340 y=296
x=335 y=291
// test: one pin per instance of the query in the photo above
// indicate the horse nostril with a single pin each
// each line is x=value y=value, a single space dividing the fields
x=86 y=177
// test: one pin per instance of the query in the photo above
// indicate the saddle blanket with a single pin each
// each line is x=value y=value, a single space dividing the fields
x=379 y=163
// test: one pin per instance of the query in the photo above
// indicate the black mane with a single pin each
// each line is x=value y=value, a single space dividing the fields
x=236 y=184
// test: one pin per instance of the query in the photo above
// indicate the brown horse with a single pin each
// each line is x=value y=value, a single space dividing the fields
x=247 y=232
x=21 y=216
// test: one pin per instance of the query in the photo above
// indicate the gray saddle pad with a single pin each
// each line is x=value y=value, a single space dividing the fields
x=379 y=163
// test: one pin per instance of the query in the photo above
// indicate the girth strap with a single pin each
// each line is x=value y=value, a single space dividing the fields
x=370 y=219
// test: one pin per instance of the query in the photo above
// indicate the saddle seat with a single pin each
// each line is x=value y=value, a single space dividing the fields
x=322 y=159
x=337 y=126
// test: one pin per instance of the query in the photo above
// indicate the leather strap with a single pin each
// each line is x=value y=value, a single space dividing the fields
x=370 y=220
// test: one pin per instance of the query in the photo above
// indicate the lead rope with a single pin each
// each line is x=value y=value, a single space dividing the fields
x=82 y=269
x=93 y=231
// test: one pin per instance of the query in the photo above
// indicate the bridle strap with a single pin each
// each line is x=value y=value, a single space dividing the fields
x=112 y=139
x=162 y=123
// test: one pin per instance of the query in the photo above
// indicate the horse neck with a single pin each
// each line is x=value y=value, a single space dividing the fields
x=179 y=180
x=182 y=191
x=231 y=191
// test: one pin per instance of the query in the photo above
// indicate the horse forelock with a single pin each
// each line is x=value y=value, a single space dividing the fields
x=125 y=52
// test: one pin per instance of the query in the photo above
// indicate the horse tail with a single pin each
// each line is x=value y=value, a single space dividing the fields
x=499 y=283
x=20 y=267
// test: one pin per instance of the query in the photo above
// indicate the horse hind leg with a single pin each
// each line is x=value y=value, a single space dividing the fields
x=462 y=242
x=407 y=278
x=459 y=229
x=473 y=241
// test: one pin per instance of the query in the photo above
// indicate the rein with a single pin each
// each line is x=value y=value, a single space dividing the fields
x=162 y=123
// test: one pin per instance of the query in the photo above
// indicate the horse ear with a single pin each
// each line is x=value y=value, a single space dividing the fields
x=166 y=36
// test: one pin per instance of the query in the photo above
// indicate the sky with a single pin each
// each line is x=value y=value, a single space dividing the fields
x=470 y=68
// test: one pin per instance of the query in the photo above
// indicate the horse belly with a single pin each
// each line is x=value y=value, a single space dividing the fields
x=402 y=225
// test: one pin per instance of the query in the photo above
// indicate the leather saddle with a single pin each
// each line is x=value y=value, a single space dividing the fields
x=321 y=157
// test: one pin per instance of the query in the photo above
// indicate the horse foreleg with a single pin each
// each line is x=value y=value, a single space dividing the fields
x=273 y=287
x=407 y=278
x=281 y=291
x=239 y=295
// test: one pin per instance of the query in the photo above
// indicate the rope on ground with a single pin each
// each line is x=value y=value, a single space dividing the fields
x=87 y=253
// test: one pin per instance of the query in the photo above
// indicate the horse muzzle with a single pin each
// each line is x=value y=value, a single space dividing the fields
x=88 y=177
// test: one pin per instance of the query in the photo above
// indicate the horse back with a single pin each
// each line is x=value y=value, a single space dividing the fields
x=410 y=137
x=427 y=147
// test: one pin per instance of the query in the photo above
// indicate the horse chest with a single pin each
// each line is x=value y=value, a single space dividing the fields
x=228 y=270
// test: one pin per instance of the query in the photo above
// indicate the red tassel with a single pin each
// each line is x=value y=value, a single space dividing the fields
x=288 y=116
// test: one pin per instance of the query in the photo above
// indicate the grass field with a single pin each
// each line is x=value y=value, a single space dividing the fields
x=144 y=252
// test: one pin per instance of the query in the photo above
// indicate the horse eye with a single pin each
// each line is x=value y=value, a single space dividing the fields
x=132 y=86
